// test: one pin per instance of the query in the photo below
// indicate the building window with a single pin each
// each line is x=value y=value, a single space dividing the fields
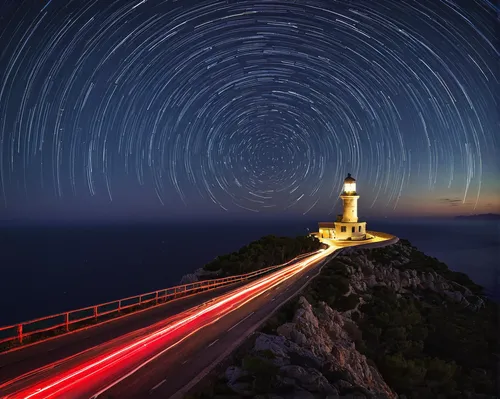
x=343 y=229
x=359 y=229
x=354 y=229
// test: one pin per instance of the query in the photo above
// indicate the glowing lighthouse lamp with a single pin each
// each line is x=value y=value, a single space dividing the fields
x=349 y=185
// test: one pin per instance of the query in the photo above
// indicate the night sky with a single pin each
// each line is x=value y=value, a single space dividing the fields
x=139 y=110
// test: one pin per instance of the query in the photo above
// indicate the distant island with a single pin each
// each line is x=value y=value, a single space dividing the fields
x=482 y=216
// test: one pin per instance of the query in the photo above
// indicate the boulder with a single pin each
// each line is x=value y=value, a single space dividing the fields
x=189 y=278
x=475 y=302
x=455 y=296
x=311 y=379
x=343 y=385
x=289 y=331
x=233 y=373
x=284 y=350
x=276 y=345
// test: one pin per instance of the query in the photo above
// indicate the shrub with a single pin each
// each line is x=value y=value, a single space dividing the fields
x=345 y=303
x=256 y=364
x=267 y=251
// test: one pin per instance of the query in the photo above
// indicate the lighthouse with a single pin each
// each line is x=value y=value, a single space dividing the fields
x=347 y=226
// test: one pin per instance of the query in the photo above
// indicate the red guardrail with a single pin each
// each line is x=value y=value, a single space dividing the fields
x=66 y=320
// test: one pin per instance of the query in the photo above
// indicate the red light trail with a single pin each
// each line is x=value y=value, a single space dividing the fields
x=106 y=370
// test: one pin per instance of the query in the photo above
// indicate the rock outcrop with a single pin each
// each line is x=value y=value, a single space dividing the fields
x=365 y=274
x=316 y=345
x=199 y=274
x=315 y=355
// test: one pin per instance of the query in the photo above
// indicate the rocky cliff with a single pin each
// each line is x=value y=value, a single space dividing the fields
x=377 y=323
x=392 y=267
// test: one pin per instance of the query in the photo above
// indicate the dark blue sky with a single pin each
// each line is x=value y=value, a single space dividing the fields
x=139 y=110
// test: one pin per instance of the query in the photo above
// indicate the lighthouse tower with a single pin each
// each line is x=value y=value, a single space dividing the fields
x=350 y=200
x=347 y=226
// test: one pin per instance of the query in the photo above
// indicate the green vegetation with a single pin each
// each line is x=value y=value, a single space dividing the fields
x=267 y=251
x=345 y=303
x=425 y=346
x=284 y=315
x=425 y=350
x=331 y=286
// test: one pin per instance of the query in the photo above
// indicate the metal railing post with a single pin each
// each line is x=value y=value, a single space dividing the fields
x=67 y=321
x=95 y=312
x=156 y=298
x=20 y=333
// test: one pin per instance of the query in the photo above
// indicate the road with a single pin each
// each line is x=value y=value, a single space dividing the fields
x=48 y=353
x=154 y=356
x=172 y=373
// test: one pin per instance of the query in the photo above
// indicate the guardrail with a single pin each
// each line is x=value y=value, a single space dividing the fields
x=381 y=235
x=65 y=322
x=389 y=240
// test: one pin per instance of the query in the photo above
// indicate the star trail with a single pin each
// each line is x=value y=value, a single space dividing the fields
x=249 y=106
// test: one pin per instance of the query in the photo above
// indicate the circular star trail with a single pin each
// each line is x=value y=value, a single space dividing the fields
x=253 y=105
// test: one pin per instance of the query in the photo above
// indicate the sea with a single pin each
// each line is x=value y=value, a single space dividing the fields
x=47 y=270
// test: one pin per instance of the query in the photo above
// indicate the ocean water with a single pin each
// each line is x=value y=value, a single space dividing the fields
x=45 y=270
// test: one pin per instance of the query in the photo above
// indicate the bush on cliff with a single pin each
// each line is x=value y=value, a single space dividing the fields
x=267 y=251
x=345 y=303
x=264 y=372
x=425 y=350
x=331 y=286
x=284 y=315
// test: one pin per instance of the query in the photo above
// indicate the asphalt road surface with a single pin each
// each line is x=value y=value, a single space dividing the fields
x=171 y=373
x=27 y=360
x=157 y=353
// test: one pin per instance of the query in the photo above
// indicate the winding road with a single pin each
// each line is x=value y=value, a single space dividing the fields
x=160 y=352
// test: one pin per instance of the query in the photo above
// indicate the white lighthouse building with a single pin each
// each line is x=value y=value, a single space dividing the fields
x=347 y=226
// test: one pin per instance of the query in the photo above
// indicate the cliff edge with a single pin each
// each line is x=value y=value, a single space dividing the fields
x=376 y=323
